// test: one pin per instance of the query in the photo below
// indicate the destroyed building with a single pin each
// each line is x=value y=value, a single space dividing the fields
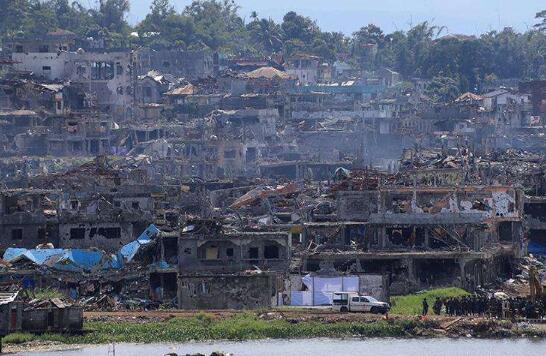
x=179 y=63
x=223 y=270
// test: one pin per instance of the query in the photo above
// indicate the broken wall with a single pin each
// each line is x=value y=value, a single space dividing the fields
x=220 y=292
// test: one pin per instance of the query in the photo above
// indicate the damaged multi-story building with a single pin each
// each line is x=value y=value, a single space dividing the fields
x=436 y=234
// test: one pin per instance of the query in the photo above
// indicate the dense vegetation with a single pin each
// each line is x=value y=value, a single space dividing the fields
x=463 y=62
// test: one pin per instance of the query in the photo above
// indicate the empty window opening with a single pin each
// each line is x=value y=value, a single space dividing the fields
x=94 y=146
x=102 y=70
x=77 y=233
x=537 y=211
x=147 y=92
x=253 y=253
x=17 y=234
x=42 y=234
x=505 y=231
x=271 y=252
x=230 y=154
x=110 y=232
x=229 y=252
x=251 y=154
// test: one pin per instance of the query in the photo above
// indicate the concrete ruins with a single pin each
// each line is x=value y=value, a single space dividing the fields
x=269 y=182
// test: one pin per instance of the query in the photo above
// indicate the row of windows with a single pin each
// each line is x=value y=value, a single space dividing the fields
x=75 y=233
x=214 y=253
x=17 y=234
x=108 y=232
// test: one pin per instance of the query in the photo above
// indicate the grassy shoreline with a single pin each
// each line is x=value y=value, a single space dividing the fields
x=249 y=326
x=203 y=327
x=289 y=323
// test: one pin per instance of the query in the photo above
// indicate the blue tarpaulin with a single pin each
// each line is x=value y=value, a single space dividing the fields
x=78 y=260
x=129 y=251
x=536 y=248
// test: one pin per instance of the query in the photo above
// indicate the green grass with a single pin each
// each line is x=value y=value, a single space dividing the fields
x=18 y=338
x=412 y=304
x=244 y=326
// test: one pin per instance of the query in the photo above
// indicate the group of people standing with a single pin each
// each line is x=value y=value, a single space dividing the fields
x=476 y=305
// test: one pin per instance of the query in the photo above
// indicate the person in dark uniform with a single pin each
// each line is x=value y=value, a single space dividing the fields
x=425 y=307
x=437 y=307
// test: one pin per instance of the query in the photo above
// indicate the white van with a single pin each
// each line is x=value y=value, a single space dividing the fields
x=345 y=302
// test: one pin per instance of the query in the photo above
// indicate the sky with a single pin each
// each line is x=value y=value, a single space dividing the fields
x=470 y=17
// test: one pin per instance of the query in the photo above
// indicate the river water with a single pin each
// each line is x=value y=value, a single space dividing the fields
x=326 y=347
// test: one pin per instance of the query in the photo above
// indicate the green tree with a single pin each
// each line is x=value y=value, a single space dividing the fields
x=541 y=16
x=14 y=17
x=73 y=17
x=297 y=27
x=217 y=24
x=265 y=35
x=443 y=89
x=365 y=44
x=111 y=15
x=163 y=27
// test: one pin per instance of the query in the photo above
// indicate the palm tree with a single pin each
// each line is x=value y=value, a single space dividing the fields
x=266 y=33
x=541 y=16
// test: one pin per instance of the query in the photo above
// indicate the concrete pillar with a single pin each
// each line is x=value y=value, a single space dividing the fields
x=462 y=265
x=427 y=239
x=410 y=264
x=382 y=237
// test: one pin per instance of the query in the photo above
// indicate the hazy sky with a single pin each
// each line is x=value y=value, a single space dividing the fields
x=460 y=16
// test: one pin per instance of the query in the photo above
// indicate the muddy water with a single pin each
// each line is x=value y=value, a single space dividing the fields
x=326 y=347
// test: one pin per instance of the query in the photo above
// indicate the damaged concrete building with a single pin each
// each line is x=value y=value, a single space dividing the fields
x=229 y=270
x=436 y=236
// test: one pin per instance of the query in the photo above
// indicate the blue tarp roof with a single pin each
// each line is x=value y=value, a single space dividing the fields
x=129 y=251
x=78 y=260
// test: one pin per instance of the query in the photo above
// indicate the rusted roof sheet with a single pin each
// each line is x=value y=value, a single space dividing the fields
x=185 y=90
x=469 y=97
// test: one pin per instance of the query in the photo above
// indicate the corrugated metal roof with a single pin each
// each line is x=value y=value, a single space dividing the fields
x=18 y=113
x=269 y=73
x=8 y=297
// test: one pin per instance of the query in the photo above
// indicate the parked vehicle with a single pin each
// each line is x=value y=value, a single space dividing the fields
x=345 y=302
